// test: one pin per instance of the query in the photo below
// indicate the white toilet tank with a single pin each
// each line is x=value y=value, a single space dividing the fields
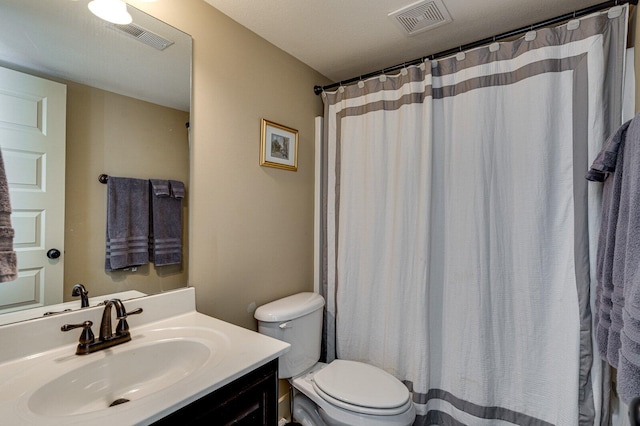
x=297 y=320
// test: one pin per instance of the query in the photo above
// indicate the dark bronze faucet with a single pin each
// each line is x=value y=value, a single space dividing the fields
x=80 y=290
x=88 y=344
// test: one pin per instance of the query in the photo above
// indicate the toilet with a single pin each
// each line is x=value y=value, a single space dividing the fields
x=343 y=392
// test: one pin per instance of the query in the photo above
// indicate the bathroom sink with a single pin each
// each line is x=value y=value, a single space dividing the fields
x=120 y=377
x=62 y=388
x=175 y=357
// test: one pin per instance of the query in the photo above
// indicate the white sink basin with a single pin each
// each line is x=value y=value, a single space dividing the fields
x=120 y=377
x=60 y=387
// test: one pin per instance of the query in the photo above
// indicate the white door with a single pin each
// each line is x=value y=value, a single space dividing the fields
x=32 y=139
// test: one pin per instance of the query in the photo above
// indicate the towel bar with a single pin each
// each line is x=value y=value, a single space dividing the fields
x=103 y=178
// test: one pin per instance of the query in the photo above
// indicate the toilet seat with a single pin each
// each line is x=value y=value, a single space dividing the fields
x=361 y=388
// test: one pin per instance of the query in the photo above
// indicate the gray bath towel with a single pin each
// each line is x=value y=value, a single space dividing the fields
x=605 y=162
x=165 y=240
x=127 y=223
x=8 y=260
x=603 y=169
x=618 y=258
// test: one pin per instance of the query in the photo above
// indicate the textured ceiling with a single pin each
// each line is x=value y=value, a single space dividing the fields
x=347 y=38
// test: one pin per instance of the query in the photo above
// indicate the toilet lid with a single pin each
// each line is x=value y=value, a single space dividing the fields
x=361 y=384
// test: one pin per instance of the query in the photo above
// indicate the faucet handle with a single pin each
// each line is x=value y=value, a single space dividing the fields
x=134 y=312
x=123 y=326
x=125 y=314
x=86 y=336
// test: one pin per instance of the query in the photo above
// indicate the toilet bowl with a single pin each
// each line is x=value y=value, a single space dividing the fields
x=342 y=392
x=373 y=401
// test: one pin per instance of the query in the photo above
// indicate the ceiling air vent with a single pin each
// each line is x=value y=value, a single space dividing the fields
x=143 y=35
x=421 y=16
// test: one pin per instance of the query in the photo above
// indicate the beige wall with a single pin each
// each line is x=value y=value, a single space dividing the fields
x=251 y=226
x=120 y=136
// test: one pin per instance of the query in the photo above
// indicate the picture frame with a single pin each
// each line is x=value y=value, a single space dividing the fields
x=278 y=146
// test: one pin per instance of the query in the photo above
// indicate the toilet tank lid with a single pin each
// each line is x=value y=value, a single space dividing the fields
x=290 y=307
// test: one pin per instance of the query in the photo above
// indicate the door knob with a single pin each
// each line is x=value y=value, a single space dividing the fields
x=53 y=254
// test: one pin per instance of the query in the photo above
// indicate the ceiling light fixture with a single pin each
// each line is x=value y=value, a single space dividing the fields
x=114 y=11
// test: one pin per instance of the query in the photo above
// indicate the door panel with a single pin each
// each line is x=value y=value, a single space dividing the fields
x=32 y=138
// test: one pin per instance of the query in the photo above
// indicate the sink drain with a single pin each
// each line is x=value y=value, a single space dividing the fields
x=118 y=402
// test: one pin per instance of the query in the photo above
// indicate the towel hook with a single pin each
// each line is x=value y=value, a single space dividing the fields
x=103 y=178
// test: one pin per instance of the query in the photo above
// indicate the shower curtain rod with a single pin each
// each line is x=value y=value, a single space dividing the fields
x=572 y=15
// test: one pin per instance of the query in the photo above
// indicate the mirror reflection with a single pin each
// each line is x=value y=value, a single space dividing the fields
x=117 y=99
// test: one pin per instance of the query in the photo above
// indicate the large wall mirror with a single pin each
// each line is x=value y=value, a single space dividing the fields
x=128 y=95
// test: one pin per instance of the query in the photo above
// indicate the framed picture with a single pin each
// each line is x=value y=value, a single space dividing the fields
x=278 y=146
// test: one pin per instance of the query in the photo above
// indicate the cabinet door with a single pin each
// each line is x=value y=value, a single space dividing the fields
x=251 y=400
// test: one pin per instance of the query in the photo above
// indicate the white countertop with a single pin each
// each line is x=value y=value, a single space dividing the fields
x=22 y=371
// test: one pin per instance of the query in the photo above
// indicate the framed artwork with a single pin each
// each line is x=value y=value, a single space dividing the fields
x=278 y=146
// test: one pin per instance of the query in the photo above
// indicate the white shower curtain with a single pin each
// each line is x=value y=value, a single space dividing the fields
x=458 y=230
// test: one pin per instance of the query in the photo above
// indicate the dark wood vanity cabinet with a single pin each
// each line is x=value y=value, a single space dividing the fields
x=250 y=400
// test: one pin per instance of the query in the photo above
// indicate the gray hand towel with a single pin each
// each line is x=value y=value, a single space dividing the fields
x=8 y=259
x=165 y=242
x=617 y=318
x=177 y=189
x=127 y=223
x=160 y=187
